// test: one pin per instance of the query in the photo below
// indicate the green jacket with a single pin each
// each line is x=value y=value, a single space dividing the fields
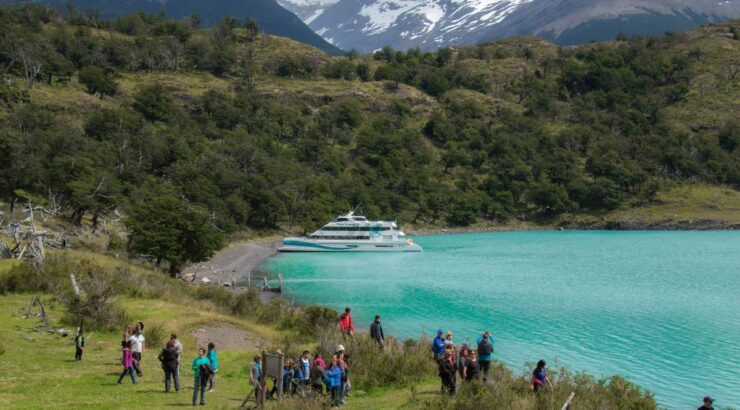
x=199 y=361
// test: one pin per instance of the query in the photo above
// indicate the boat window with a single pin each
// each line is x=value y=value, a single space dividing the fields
x=355 y=228
x=342 y=219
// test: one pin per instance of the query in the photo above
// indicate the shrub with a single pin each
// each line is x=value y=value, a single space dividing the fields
x=154 y=335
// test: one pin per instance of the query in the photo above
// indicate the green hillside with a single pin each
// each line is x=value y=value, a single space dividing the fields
x=242 y=130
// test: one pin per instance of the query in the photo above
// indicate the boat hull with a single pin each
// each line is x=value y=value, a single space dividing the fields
x=307 y=245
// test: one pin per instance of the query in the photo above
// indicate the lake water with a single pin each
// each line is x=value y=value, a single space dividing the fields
x=660 y=308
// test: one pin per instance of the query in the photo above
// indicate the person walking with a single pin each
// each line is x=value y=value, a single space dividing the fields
x=708 y=401
x=213 y=358
x=335 y=383
x=345 y=323
x=539 y=377
x=462 y=358
x=138 y=346
x=485 y=351
x=128 y=363
x=79 y=344
x=201 y=372
x=376 y=332
x=318 y=374
x=169 y=358
x=447 y=371
x=255 y=376
x=472 y=367
x=438 y=345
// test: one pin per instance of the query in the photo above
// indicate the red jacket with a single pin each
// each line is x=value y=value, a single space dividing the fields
x=345 y=322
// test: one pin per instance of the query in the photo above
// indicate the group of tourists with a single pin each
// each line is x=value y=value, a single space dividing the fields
x=133 y=344
x=312 y=373
x=308 y=373
x=469 y=363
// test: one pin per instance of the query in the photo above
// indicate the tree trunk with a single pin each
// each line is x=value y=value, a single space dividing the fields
x=77 y=216
x=174 y=269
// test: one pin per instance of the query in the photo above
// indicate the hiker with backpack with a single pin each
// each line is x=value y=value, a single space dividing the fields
x=79 y=344
x=201 y=373
x=485 y=350
x=170 y=361
x=128 y=363
x=345 y=323
x=213 y=358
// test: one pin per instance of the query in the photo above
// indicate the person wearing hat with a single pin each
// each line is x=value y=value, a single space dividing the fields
x=708 y=400
x=438 y=345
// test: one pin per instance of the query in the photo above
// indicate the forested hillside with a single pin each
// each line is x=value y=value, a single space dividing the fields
x=154 y=119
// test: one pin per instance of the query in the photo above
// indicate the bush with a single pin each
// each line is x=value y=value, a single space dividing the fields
x=154 y=335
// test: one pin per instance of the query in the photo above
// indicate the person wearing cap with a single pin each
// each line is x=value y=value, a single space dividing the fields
x=438 y=345
x=708 y=400
x=345 y=323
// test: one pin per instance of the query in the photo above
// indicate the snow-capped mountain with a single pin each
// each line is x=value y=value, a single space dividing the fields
x=367 y=25
x=307 y=10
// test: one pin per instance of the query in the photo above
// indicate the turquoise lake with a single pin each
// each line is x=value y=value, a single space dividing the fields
x=660 y=308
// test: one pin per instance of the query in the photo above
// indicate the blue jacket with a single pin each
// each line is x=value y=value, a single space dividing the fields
x=485 y=357
x=335 y=375
x=438 y=345
x=287 y=377
x=214 y=360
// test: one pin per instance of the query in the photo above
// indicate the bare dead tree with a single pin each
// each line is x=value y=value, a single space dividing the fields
x=29 y=57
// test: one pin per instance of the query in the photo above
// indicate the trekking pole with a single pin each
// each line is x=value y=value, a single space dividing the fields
x=566 y=406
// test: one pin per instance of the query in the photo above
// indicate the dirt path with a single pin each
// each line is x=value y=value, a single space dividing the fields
x=228 y=337
x=234 y=262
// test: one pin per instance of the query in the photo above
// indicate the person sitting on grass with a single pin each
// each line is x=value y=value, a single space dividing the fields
x=201 y=373
x=169 y=358
x=128 y=362
x=335 y=383
x=539 y=377
x=79 y=344
x=213 y=358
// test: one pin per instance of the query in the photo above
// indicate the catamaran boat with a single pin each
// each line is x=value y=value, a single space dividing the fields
x=353 y=233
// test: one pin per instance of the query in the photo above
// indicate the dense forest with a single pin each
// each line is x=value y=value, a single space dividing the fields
x=204 y=132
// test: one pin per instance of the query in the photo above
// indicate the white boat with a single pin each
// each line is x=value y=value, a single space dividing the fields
x=353 y=233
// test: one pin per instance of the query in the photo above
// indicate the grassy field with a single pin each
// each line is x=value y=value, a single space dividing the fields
x=39 y=370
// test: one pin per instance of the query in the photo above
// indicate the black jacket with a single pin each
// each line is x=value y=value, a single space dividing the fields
x=446 y=369
x=376 y=331
x=168 y=357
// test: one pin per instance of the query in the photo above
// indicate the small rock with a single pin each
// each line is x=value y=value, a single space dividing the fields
x=205 y=280
x=227 y=285
x=189 y=277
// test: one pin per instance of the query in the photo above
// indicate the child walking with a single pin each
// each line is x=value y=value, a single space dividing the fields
x=128 y=362
x=79 y=345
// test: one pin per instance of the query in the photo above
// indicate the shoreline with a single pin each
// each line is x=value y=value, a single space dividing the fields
x=238 y=260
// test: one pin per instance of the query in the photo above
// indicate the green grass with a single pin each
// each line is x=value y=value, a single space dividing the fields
x=687 y=202
x=39 y=370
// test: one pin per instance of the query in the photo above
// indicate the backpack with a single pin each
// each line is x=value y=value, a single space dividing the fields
x=485 y=347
